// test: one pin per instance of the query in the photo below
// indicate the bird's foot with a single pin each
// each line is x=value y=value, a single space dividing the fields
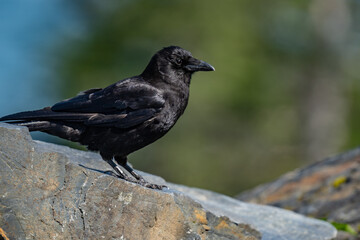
x=141 y=182
x=137 y=178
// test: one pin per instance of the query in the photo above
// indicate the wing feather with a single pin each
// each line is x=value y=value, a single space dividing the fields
x=123 y=105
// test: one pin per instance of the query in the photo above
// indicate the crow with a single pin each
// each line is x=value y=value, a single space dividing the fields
x=125 y=116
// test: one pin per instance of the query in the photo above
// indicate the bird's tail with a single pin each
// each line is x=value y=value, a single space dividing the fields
x=29 y=119
x=46 y=114
x=61 y=124
x=33 y=125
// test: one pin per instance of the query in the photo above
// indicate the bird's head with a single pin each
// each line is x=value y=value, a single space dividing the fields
x=175 y=63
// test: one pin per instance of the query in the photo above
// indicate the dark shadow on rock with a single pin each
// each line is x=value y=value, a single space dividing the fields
x=110 y=173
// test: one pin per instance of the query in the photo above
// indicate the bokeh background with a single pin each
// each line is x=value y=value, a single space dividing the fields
x=286 y=89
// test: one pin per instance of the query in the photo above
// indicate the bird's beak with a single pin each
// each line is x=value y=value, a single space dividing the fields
x=195 y=65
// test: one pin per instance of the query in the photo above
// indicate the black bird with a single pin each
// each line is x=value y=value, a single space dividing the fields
x=125 y=116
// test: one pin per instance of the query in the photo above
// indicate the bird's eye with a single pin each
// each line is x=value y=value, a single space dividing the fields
x=178 y=61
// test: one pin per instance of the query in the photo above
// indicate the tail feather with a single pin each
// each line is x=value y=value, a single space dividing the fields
x=72 y=132
x=46 y=114
x=34 y=125
x=62 y=124
x=26 y=115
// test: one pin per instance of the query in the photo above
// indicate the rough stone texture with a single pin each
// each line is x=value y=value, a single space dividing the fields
x=54 y=192
x=272 y=223
x=327 y=189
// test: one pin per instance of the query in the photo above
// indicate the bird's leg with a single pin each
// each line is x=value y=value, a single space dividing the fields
x=117 y=169
x=120 y=173
x=123 y=162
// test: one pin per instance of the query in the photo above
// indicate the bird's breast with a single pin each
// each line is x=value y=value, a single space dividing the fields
x=175 y=105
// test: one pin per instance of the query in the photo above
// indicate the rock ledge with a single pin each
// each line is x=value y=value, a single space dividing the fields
x=55 y=192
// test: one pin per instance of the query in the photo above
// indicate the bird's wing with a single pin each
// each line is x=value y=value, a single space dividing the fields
x=123 y=105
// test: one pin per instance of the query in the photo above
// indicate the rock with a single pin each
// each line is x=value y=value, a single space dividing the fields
x=327 y=189
x=54 y=192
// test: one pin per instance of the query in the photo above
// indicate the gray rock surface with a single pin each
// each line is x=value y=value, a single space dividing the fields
x=54 y=192
x=327 y=189
x=270 y=221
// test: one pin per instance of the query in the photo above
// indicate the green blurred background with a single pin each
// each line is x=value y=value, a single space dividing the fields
x=285 y=91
